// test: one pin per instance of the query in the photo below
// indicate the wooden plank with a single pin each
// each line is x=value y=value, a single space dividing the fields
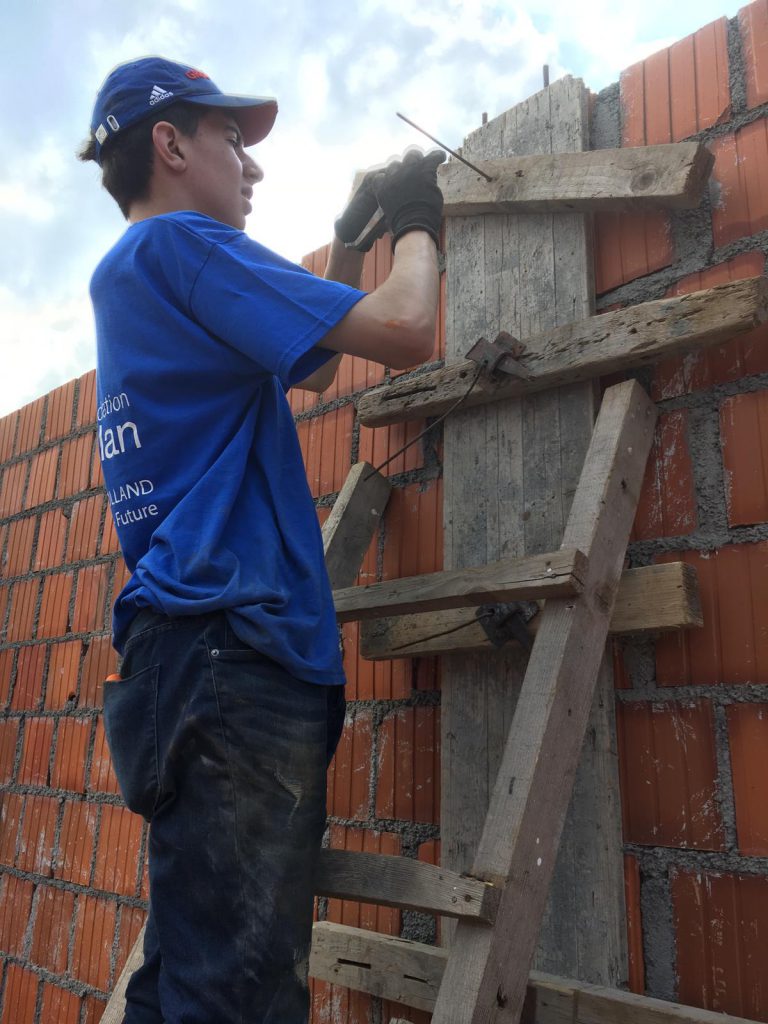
x=651 y=599
x=486 y=975
x=510 y=472
x=348 y=530
x=383 y=965
x=396 y=969
x=403 y=882
x=115 y=1009
x=556 y=573
x=621 y=340
x=643 y=178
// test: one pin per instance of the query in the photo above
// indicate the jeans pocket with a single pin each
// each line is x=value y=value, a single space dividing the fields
x=130 y=712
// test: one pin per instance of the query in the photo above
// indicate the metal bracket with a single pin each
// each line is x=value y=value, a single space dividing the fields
x=504 y=622
x=499 y=358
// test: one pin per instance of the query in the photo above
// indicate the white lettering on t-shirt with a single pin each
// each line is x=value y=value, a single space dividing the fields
x=112 y=442
x=117 y=439
x=110 y=404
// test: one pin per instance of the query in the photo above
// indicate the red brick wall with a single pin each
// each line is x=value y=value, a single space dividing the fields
x=72 y=889
x=692 y=709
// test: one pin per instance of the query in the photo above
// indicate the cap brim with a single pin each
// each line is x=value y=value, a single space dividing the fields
x=255 y=114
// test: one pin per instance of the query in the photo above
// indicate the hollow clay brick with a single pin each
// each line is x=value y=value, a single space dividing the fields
x=36 y=751
x=748 y=741
x=744 y=440
x=90 y=599
x=20 y=999
x=350 y=771
x=63 y=664
x=50 y=936
x=19 y=552
x=72 y=739
x=86 y=403
x=669 y=775
x=30 y=672
x=58 y=421
x=667 y=505
x=54 y=607
x=75 y=471
x=59 y=1006
x=30 y=426
x=326 y=445
x=117 y=853
x=38 y=830
x=94 y=934
x=409 y=765
x=721 y=939
x=42 y=485
x=753 y=26
x=50 y=539
x=732 y=645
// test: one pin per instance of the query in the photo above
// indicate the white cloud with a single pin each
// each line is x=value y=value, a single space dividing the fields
x=339 y=71
x=42 y=345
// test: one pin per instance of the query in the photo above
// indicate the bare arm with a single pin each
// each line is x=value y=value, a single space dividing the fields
x=395 y=324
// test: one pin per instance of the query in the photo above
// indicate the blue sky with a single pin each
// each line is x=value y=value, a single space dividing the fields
x=339 y=71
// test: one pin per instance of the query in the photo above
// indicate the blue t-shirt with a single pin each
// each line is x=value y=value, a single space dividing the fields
x=200 y=331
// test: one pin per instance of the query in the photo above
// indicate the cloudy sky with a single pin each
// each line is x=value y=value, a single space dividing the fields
x=339 y=69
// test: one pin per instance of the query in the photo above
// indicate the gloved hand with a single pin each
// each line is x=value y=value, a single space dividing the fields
x=360 y=208
x=408 y=193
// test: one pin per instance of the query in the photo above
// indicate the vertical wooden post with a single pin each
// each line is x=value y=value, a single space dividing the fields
x=511 y=470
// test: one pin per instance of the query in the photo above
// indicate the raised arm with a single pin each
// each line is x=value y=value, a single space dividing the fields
x=395 y=324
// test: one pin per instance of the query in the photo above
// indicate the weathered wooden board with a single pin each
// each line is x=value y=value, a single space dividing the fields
x=410 y=973
x=642 y=178
x=510 y=472
x=620 y=340
x=403 y=882
x=115 y=1010
x=520 y=838
x=552 y=574
x=651 y=599
x=348 y=530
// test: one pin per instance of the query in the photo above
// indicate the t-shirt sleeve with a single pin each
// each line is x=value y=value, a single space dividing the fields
x=271 y=310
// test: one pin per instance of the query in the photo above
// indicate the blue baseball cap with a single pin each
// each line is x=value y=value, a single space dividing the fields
x=140 y=88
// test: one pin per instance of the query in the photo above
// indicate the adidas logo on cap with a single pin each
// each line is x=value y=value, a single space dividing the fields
x=158 y=94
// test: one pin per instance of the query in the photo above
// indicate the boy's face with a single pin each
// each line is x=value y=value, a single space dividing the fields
x=220 y=174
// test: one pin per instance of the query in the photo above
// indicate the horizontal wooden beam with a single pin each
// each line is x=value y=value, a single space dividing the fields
x=637 y=178
x=411 y=972
x=621 y=340
x=404 y=882
x=556 y=574
x=650 y=599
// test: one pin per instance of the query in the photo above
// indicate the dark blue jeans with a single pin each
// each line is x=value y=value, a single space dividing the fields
x=225 y=754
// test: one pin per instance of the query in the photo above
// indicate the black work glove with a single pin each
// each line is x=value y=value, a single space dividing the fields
x=360 y=208
x=409 y=195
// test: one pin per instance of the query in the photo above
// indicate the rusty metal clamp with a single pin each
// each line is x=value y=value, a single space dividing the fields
x=499 y=358
x=504 y=622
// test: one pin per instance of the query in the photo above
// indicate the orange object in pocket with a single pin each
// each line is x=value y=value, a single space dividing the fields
x=114 y=678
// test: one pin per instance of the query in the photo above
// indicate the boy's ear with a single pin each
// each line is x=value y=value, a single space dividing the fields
x=167 y=142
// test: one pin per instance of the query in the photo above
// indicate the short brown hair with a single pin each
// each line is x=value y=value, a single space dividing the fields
x=127 y=159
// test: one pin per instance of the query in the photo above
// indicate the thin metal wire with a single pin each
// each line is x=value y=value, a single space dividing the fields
x=442 y=145
x=431 y=426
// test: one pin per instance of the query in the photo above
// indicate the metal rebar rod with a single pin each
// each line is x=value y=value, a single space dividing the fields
x=442 y=145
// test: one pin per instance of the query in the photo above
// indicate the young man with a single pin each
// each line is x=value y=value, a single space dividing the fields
x=231 y=699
